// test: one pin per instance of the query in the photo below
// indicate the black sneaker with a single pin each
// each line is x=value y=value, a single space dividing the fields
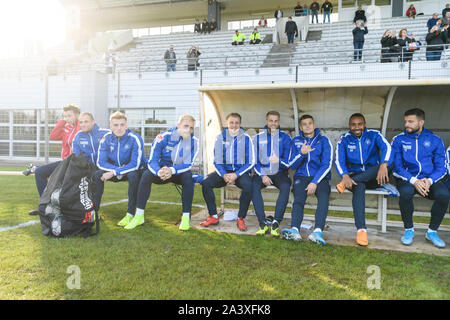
x=30 y=169
x=34 y=213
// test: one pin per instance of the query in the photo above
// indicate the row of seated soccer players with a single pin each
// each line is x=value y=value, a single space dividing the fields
x=363 y=159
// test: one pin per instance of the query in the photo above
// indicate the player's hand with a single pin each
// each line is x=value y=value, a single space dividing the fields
x=107 y=175
x=348 y=182
x=421 y=187
x=267 y=181
x=383 y=175
x=306 y=148
x=311 y=189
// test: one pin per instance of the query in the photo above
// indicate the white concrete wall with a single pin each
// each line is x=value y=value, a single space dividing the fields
x=158 y=89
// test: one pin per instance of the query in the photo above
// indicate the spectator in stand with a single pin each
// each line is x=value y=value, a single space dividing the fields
x=446 y=18
x=278 y=13
x=255 y=37
x=298 y=10
x=327 y=9
x=432 y=21
x=306 y=10
x=408 y=45
x=358 y=40
x=438 y=25
x=314 y=11
x=197 y=26
x=238 y=38
x=446 y=9
x=291 y=30
x=213 y=25
x=262 y=22
x=411 y=12
x=389 y=47
x=192 y=58
x=435 y=41
x=360 y=14
x=171 y=59
x=205 y=26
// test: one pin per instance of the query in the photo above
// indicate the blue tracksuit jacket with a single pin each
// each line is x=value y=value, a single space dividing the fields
x=88 y=142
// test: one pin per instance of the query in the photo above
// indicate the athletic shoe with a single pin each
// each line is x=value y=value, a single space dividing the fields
x=408 y=237
x=30 y=169
x=361 y=238
x=262 y=231
x=126 y=220
x=291 y=234
x=317 y=237
x=433 y=237
x=136 y=221
x=340 y=187
x=241 y=224
x=210 y=221
x=275 y=229
x=184 y=225
x=34 y=212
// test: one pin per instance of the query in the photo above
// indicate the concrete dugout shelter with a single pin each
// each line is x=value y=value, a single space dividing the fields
x=383 y=103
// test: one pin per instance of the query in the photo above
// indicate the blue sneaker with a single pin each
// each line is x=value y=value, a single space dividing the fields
x=317 y=237
x=291 y=234
x=408 y=237
x=433 y=237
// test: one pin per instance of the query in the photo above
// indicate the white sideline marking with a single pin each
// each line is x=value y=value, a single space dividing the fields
x=25 y=224
x=33 y=222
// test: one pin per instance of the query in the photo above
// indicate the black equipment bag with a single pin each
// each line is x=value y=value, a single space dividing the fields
x=66 y=208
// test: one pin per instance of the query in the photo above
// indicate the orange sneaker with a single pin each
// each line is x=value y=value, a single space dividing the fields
x=210 y=221
x=241 y=224
x=340 y=187
x=361 y=238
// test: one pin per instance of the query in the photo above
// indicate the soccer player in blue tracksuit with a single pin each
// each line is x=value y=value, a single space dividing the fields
x=359 y=163
x=87 y=140
x=171 y=157
x=234 y=158
x=272 y=149
x=120 y=158
x=311 y=158
x=419 y=165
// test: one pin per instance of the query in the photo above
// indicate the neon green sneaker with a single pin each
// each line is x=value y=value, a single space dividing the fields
x=262 y=231
x=126 y=220
x=136 y=221
x=184 y=225
x=275 y=229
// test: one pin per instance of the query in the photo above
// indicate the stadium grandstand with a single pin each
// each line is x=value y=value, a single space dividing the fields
x=112 y=58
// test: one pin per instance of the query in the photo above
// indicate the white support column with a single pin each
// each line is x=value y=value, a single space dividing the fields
x=203 y=133
x=387 y=109
x=339 y=9
x=294 y=105
x=384 y=210
x=11 y=133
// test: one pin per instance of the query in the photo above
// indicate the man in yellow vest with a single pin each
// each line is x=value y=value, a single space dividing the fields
x=255 y=37
x=238 y=38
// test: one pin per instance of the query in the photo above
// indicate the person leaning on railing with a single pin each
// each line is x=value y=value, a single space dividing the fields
x=435 y=42
x=389 y=47
x=408 y=44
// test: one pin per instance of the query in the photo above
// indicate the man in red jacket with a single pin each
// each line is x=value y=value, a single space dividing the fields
x=65 y=130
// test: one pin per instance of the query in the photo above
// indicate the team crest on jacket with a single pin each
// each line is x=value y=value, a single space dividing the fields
x=427 y=144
